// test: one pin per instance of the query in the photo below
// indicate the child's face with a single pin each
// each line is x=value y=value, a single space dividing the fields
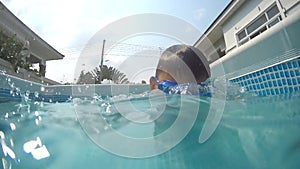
x=162 y=76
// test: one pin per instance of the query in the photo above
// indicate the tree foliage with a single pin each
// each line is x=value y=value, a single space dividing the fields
x=10 y=50
x=98 y=74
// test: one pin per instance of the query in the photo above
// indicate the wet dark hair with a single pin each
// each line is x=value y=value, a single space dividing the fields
x=192 y=57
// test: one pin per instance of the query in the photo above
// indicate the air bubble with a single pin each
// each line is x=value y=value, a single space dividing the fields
x=27 y=93
x=36 y=94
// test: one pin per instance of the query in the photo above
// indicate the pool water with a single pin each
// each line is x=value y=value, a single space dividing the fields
x=254 y=132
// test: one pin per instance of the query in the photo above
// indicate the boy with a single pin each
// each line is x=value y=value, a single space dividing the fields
x=180 y=64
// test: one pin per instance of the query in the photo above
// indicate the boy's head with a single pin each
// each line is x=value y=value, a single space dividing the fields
x=181 y=64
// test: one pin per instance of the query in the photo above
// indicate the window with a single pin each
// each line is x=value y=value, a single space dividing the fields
x=267 y=19
x=241 y=35
x=256 y=24
x=272 y=12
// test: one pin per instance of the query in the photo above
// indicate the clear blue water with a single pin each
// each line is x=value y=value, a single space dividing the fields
x=254 y=132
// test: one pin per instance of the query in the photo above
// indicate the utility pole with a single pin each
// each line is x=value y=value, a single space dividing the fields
x=102 y=54
x=102 y=58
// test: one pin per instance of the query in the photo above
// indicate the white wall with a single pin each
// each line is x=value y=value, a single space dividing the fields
x=246 y=13
x=287 y=4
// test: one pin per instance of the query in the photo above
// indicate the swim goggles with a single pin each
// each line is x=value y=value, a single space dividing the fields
x=171 y=87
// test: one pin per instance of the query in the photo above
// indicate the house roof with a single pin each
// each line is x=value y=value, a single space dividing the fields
x=214 y=32
x=39 y=49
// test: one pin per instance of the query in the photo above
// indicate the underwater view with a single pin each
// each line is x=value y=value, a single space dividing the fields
x=254 y=131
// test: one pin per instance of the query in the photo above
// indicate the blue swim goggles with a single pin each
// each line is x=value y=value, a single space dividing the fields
x=171 y=87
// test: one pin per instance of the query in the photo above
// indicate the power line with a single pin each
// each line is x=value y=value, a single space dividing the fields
x=115 y=49
x=120 y=46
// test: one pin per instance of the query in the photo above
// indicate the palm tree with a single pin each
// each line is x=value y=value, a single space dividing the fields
x=98 y=74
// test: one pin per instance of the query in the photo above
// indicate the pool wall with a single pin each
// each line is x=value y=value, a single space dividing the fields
x=268 y=64
x=11 y=88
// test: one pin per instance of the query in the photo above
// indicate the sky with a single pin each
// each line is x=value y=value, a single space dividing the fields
x=69 y=26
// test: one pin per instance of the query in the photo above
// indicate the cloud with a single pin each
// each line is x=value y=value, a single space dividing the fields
x=199 y=13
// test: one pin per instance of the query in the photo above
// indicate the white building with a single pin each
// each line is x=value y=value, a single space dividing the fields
x=256 y=44
x=240 y=22
x=39 y=50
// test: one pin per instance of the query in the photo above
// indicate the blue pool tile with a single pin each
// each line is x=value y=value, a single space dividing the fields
x=250 y=87
x=289 y=65
x=279 y=82
x=286 y=89
x=284 y=66
x=262 y=72
x=289 y=82
x=275 y=68
x=292 y=73
x=264 y=78
x=254 y=87
x=283 y=81
x=260 y=93
x=265 y=71
x=266 y=84
x=250 y=76
x=274 y=84
x=290 y=89
x=281 y=74
x=276 y=91
x=281 y=90
x=260 y=80
x=296 y=89
x=287 y=74
x=295 y=64
x=294 y=82
x=268 y=92
x=270 y=69
x=270 y=84
x=261 y=86
x=258 y=86
x=272 y=92
x=272 y=76
x=280 y=67
x=277 y=75
x=268 y=76
x=297 y=72
x=264 y=93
